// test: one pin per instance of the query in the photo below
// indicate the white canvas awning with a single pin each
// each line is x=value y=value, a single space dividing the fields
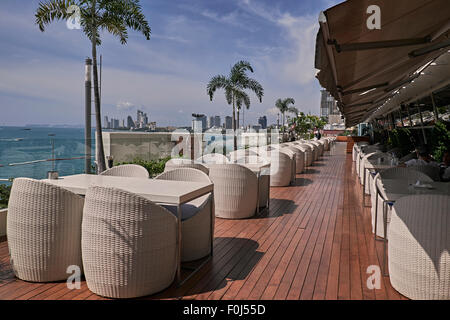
x=364 y=68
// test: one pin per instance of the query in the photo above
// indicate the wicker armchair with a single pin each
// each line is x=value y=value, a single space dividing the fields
x=129 y=244
x=184 y=163
x=314 y=149
x=197 y=220
x=235 y=189
x=235 y=155
x=392 y=173
x=264 y=178
x=419 y=247
x=431 y=171
x=280 y=168
x=299 y=157
x=127 y=170
x=213 y=158
x=44 y=230
x=308 y=150
x=386 y=157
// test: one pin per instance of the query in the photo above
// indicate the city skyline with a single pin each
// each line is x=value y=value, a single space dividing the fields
x=167 y=75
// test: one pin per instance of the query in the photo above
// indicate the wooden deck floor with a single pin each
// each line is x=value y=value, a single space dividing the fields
x=315 y=242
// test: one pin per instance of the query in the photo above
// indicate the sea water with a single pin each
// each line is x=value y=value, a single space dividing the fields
x=23 y=144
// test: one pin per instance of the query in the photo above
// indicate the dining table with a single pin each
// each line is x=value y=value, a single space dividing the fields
x=163 y=192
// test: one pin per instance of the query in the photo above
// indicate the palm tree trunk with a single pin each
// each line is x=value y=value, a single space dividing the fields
x=101 y=166
x=234 y=126
x=238 y=123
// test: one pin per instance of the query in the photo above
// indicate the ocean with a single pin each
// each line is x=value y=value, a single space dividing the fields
x=23 y=144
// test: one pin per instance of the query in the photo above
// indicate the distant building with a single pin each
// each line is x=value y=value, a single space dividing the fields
x=328 y=105
x=263 y=122
x=210 y=123
x=130 y=122
x=217 y=122
x=199 y=122
x=257 y=127
x=152 y=126
x=329 y=109
x=106 y=123
x=141 y=120
x=228 y=122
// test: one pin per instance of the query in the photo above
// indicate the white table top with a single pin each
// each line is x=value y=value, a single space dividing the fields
x=394 y=189
x=159 y=191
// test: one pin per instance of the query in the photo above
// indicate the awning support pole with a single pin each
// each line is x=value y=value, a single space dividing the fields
x=436 y=113
x=409 y=116
x=421 y=123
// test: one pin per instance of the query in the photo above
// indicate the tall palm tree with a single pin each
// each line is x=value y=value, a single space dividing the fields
x=284 y=106
x=235 y=85
x=114 y=16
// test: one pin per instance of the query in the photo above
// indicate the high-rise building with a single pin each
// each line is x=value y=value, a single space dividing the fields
x=210 y=122
x=217 y=123
x=130 y=122
x=228 y=122
x=106 y=124
x=142 y=119
x=329 y=109
x=328 y=105
x=263 y=122
x=199 y=122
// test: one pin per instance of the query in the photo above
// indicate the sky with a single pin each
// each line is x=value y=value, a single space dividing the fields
x=42 y=73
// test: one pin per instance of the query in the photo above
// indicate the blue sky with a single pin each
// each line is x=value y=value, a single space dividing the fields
x=42 y=74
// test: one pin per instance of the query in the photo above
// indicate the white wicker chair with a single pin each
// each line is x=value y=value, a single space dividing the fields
x=400 y=173
x=387 y=158
x=127 y=170
x=235 y=189
x=197 y=221
x=431 y=171
x=299 y=157
x=280 y=168
x=314 y=148
x=235 y=155
x=129 y=244
x=419 y=247
x=185 y=163
x=264 y=178
x=213 y=158
x=43 y=230
x=308 y=150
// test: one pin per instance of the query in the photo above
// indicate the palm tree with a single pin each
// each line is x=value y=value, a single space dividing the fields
x=114 y=16
x=283 y=106
x=235 y=85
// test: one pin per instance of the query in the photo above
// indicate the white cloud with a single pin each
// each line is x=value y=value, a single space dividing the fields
x=272 y=111
x=125 y=106
x=297 y=59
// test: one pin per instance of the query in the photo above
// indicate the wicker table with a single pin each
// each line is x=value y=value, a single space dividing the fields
x=159 y=191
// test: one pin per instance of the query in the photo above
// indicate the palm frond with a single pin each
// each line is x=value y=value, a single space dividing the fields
x=52 y=10
x=217 y=82
x=242 y=98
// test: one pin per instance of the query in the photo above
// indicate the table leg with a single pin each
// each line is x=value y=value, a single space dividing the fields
x=257 y=192
x=376 y=210
x=179 y=214
x=363 y=187
x=385 y=239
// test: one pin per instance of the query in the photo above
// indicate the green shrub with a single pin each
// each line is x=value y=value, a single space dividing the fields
x=440 y=140
x=5 y=191
x=154 y=167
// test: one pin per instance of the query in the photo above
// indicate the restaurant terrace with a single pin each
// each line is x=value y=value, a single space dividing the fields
x=330 y=218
